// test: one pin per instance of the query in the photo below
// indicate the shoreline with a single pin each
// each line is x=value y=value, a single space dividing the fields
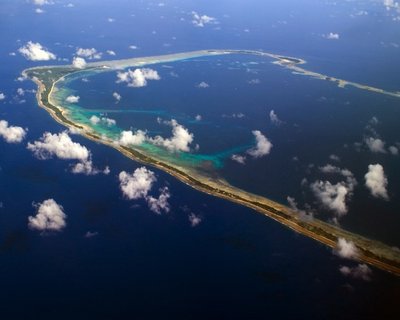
x=372 y=252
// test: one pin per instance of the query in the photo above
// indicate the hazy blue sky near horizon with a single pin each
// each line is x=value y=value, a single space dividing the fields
x=163 y=249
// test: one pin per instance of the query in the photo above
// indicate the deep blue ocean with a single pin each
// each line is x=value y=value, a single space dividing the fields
x=235 y=264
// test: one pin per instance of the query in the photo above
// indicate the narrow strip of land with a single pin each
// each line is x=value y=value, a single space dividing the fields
x=369 y=251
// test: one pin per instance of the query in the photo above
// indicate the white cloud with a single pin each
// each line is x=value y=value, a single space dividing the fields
x=72 y=99
x=138 y=184
x=203 y=85
x=334 y=157
x=180 y=140
x=346 y=249
x=361 y=271
x=335 y=196
x=94 y=120
x=294 y=206
x=11 y=134
x=332 y=196
x=391 y=4
x=79 y=62
x=238 y=115
x=198 y=117
x=332 y=36
x=35 y=52
x=202 y=20
x=20 y=91
x=111 y=52
x=91 y=234
x=376 y=181
x=159 y=204
x=50 y=216
x=39 y=10
x=107 y=121
x=2 y=96
x=375 y=145
x=273 y=117
x=238 y=158
x=129 y=138
x=133 y=47
x=263 y=145
x=394 y=150
x=328 y=168
x=86 y=167
x=194 y=220
x=59 y=145
x=254 y=81
x=42 y=2
x=117 y=96
x=90 y=53
x=137 y=78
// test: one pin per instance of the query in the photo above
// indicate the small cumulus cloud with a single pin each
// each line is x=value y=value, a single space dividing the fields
x=50 y=216
x=361 y=271
x=376 y=181
x=332 y=36
x=394 y=150
x=90 y=53
x=117 y=96
x=86 y=167
x=254 y=81
x=238 y=158
x=95 y=120
x=111 y=52
x=332 y=196
x=72 y=99
x=263 y=145
x=59 y=145
x=194 y=219
x=91 y=234
x=335 y=196
x=128 y=138
x=11 y=134
x=138 y=184
x=273 y=117
x=2 y=96
x=35 y=52
x=137 y=78
x=334 y=157
x=201 y=20
x=180 y=140
x=375 y=145
x=161 y=203
x=42 y=2
x=79 y=62
x=203 y=85
x=346 y=249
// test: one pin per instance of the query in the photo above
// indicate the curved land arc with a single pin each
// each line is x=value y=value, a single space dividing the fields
x=370 y=251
